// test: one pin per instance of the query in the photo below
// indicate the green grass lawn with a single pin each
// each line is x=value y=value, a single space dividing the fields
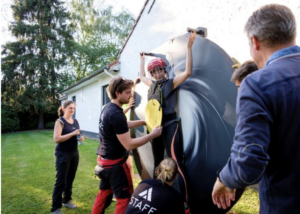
x=28 y=175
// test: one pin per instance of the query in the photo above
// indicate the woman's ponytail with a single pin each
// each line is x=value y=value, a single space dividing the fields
x=167 y=170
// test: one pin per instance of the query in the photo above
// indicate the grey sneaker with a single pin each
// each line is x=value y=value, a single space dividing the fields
x=57 y=211
x=69 y=204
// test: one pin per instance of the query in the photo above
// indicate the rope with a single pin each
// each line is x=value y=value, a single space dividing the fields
x=174 y=157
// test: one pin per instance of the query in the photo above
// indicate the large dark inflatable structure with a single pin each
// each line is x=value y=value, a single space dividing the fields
x=206 y=108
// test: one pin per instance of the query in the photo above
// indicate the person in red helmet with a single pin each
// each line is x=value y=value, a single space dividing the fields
x=162 y=89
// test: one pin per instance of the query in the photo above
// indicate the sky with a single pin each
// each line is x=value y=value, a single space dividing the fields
x=133 y=6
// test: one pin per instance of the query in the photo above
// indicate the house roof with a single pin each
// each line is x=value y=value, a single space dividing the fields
x=136 y=21
x=110 y=66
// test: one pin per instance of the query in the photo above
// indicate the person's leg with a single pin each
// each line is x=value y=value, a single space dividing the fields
x=174 y=149
x=169 y=134
x=61 y=166
x=130 y=165
x=158 y=150
x=103 y=200
x=74 y=160
x=122 y=186
x=104 y=196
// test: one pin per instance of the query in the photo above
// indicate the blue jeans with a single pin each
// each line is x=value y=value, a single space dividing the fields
x=66 y=164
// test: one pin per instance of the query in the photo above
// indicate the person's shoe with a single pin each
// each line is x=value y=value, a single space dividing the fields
x=57 y=211
x=69 y=204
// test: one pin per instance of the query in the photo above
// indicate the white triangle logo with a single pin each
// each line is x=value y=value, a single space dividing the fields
x=146 y=194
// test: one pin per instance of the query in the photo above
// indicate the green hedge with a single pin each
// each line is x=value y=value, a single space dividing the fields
x=49 y=125
x=9 y=119
x=13 y=120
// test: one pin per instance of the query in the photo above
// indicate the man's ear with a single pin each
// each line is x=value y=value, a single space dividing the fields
x=117 y=94
x=255 y=42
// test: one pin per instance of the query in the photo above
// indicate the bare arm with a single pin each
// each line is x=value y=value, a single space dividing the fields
x=136 y=123
x=189 y=63
x=130 y=144
x=58 y=138
x=130 y=105
x=143 y=77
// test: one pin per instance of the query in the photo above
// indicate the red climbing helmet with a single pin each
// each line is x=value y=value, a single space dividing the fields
x=156 y=63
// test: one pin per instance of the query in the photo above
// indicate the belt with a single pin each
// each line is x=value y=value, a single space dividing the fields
x=109 y=163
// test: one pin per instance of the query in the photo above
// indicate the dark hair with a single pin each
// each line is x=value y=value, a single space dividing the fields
x=166 y=170
x=272 y=24
x=118 y=84
x=244 y=70
x=65 y=105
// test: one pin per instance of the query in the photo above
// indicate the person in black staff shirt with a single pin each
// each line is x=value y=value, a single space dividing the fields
x=65 y=134
x=157 y=196
x=115 y=142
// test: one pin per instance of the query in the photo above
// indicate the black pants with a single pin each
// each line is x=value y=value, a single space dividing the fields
x=66 y=164
x=161 y=148
x=163 y=143
x=114 y=179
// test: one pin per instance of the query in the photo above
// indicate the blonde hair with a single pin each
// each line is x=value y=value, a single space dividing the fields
x=65 y=105
x=166 y=170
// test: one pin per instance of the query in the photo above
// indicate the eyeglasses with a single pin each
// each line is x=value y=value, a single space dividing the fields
x=158 y=70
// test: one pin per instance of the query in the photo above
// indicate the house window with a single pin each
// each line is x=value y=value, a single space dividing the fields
x=74 y=100
x=105 y=98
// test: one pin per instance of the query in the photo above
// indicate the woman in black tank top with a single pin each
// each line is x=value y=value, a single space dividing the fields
x=66 y=133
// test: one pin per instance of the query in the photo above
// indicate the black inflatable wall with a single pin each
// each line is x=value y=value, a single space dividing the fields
x=206 y=108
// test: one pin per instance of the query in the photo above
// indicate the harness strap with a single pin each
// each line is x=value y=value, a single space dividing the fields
x=107 y=163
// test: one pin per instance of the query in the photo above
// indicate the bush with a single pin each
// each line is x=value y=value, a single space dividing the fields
x=49 y=125
x=28 y=119
x=9 y=119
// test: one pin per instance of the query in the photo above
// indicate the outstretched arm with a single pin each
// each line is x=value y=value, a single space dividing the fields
x=130 y=105
x=249 y=156
x=136 y=123
x=189 y=62
x=130 y=144
x=143 y=77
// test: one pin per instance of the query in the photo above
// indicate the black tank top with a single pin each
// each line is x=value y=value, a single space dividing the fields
x=71 y=144
x=169 y=96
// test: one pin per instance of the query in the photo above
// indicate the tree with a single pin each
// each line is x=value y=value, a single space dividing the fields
x=30 y=66
x=99 y=35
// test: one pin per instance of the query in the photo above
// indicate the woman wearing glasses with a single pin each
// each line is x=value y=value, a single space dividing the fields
x=161 y=89
x=66 y=133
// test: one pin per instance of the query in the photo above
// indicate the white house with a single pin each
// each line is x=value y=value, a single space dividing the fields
x=159 y=21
